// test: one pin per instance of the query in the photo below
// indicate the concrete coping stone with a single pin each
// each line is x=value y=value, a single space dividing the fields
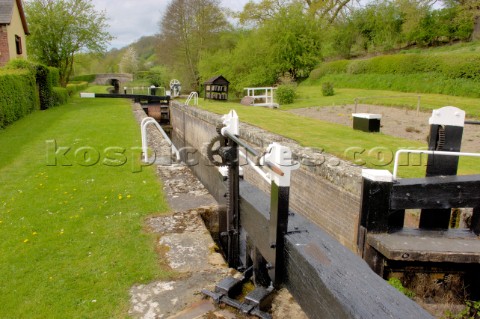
x=369 y=116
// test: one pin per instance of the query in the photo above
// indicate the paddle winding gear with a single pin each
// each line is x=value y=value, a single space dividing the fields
x=213 y=150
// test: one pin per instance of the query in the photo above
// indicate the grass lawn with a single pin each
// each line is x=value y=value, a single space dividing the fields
x=337 y=139
x=71 y=226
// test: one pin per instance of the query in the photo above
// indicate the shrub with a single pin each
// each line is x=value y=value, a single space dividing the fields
x=59 y=96
x=327 y=89
x=285 y=94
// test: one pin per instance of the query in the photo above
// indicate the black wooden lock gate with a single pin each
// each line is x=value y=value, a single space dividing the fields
x=387 y=246
x=277 y=248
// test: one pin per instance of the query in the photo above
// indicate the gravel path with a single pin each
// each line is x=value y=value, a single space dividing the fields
x=404 y=123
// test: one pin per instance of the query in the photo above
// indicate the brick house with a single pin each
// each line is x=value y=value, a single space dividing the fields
x=13 y=31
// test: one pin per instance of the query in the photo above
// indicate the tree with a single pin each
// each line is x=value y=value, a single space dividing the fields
x=62 y=28
x=129 y=62
x=380 y=26
x=256 y=13
x=288 y=43
x=469 y=10
x=247 y=64
x=327 y=9
x=295 y=41
x=188 y=28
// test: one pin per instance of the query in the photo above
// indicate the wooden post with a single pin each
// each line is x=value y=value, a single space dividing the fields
x=418 y=104
x=376 y=215
x=279 y=203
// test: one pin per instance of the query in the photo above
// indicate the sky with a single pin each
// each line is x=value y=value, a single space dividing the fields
x=129 y=20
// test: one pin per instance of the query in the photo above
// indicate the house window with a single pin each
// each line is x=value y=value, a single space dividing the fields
x=18 y=44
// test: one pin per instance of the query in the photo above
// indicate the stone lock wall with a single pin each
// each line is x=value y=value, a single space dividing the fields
x=324 y=189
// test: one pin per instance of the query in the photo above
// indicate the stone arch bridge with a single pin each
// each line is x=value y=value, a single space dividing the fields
x=112 y=78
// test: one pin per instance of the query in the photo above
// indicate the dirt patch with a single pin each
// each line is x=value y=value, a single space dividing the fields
x=399 y=122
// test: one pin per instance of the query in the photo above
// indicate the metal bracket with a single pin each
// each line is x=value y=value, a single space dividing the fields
x=254 y=302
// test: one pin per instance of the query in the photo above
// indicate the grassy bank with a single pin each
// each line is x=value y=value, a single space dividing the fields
x=71 y=212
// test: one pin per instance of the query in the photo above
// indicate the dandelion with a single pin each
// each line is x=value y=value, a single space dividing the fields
x=120 y=196
x=61 y=232
x=25 y=240
x=129 y=196
x=34 y=233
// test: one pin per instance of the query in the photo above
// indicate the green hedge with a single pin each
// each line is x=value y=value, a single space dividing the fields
x=84 y=78
x=26 y=86
x=415 y=83
x=465 y=66
x=45 y=87
x=334 y=67
x=452 y=74
x=73 y=88
x=60 y=96
x=46 y=78
x=17 y=95
x=453 y=66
